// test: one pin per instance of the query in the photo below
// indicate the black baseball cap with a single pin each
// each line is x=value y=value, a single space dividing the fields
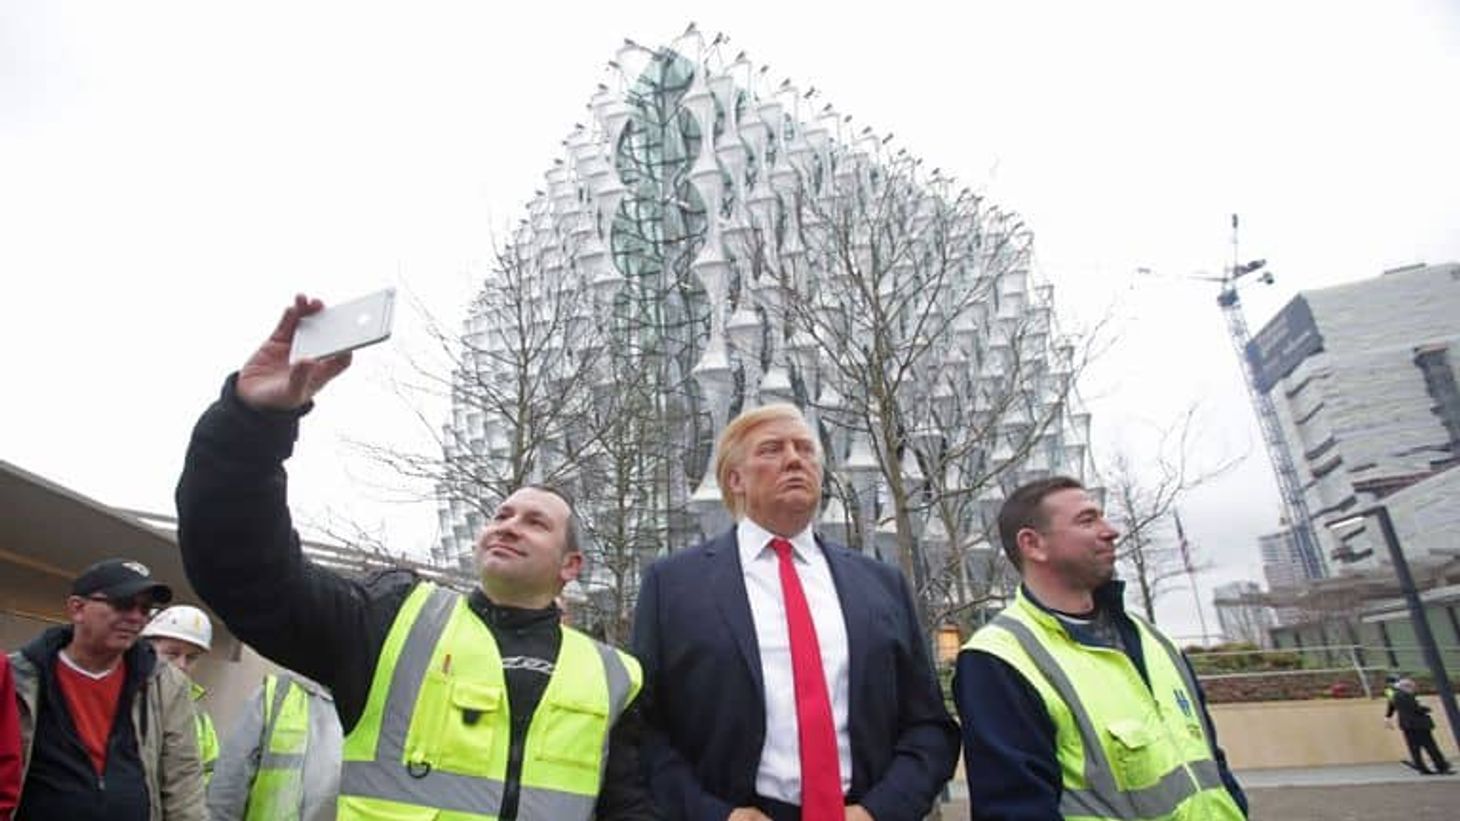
x=120 y=579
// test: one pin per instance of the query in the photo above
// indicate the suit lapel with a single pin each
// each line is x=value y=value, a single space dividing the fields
x=727 y=581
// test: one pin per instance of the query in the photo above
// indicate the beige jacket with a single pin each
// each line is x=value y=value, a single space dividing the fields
x=167 y=745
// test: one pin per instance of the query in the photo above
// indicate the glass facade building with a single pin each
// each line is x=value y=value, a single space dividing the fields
x=711 y=241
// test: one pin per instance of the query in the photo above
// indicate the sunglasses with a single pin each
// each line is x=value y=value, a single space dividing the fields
x=142 y=604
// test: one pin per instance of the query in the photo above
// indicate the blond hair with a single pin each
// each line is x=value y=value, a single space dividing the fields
x=730 y=449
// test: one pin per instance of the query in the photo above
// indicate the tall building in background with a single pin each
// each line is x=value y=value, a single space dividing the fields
x=1363 y=378
x=1282 y=568
x=1243 y=613
x=713 y=239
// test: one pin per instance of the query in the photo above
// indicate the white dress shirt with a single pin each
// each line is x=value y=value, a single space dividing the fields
x=779 y=774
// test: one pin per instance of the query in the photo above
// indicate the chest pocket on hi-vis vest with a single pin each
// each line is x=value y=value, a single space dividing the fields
x=571 y=731
x=455 y=724
x=1133 y=752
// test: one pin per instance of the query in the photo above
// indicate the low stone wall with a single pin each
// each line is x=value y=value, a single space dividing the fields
x=1316 y=733
x=1285 y=685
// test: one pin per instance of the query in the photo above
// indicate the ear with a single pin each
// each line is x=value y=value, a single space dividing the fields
x=1031 y=545
x=570 y=568
x=737 y=484
x=74 y=606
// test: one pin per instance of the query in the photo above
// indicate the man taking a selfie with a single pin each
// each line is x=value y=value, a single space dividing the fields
x=481 y=704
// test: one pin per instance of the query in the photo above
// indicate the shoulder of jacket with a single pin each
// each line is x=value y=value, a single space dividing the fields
x=679 y=558
x=846 y=551
x=171 y=681
x=888 y=575
x=390 y=581
x=993 y=632
x=25 y=675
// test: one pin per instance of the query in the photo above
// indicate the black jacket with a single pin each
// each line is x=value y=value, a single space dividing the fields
x=242 y=555
x=60 y=781
x=695 y=635
x=1412 y=714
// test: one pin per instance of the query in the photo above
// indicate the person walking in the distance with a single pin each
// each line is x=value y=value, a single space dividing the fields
x=478 y=705
x=1418 y=727
x=1070 y=707
x=787 y=677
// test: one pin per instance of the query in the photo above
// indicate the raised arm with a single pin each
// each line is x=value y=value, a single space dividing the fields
x=238 y=543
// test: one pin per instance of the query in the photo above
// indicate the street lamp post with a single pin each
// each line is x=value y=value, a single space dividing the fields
x=1417 y=616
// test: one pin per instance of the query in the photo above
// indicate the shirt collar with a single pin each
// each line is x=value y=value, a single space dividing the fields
x=753 y=540
x=1109 y=597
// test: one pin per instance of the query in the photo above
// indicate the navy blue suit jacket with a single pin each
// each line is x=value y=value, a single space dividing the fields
x=704 y=695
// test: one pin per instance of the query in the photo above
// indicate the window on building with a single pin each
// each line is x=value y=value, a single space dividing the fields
x=1388 y=646
x=1433 y=362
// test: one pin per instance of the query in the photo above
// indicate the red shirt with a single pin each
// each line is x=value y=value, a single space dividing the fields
x=93 y=706
x=9 y=742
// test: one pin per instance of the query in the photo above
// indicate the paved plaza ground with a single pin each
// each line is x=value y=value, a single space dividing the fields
x=1363 y=793
x=1434 y=800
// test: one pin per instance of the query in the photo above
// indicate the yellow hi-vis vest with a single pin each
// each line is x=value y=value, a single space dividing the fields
x=207 y=734
x=277 y=792
x=1125 y=751
x=434 y=738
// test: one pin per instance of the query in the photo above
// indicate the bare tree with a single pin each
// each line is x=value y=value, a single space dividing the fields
x=1143 y=500
x=930 y=359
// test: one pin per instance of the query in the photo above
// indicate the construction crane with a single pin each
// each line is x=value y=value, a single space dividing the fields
x=1290 y=487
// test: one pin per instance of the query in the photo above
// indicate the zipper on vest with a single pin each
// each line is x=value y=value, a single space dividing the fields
x=512 y=789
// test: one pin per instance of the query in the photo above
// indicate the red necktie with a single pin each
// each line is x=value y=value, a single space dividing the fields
x=821 y=779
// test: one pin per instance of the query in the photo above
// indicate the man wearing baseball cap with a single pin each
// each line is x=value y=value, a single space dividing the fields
x=106 y=728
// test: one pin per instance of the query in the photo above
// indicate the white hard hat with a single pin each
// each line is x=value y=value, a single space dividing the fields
x=184 y=623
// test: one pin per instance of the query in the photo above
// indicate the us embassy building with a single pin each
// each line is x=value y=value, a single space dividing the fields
x=712 y=240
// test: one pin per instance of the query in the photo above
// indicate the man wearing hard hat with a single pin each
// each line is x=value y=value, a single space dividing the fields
x=182 y=634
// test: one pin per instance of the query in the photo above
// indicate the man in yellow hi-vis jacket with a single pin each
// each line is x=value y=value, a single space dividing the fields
x=1071 y=707
x=478 y=706
x=281 y=759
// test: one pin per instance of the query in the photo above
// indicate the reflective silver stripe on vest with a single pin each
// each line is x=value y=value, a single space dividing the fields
x=1101 y=796
x=618 y=681
x=618 y=701
x=536 y=803
x=387 y=777
x=271 y=760
x=438 y=790
x=282 y=761
x=1156 y=801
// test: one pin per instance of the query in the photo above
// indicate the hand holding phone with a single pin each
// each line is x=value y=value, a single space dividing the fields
x=345 y=327
x=271 y=380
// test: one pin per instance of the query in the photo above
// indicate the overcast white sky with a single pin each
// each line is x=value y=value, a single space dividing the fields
x=171 y=173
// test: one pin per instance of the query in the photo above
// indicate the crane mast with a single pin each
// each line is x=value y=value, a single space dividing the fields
x=1289 y=486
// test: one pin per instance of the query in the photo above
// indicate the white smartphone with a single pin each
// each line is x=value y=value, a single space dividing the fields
x=344 y=327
